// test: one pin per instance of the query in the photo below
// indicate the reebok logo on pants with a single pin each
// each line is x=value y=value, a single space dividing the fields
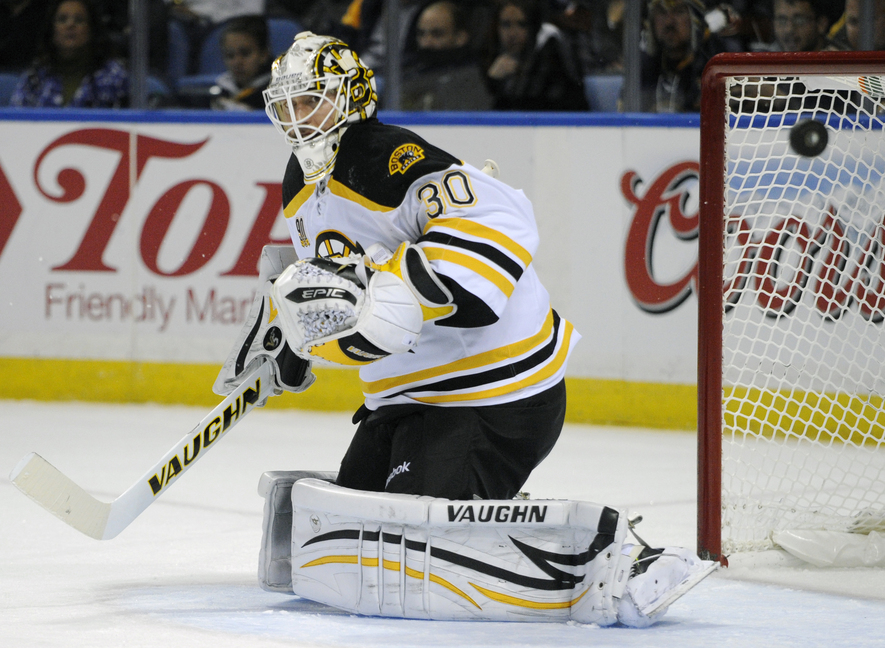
x=404 y=467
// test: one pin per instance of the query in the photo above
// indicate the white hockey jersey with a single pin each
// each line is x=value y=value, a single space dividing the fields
x=503 y=341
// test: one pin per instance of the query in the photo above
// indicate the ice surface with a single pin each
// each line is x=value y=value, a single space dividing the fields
x=184 y=573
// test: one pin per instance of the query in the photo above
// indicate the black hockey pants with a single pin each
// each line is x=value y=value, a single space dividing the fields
x=453 y=452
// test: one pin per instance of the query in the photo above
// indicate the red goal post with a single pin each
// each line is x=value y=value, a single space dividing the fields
x=791 y=280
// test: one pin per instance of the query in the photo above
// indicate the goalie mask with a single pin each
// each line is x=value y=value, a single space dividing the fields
x=318 y=87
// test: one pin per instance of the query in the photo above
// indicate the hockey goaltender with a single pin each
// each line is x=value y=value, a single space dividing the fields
x=417 y=268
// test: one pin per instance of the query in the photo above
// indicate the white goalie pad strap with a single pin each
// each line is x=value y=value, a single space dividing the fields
x=274 y=557
x=424 y=558
x=339 y=312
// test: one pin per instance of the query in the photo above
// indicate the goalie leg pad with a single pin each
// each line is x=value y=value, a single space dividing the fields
x=427 y=558
x=274 y=557
x=262 y=338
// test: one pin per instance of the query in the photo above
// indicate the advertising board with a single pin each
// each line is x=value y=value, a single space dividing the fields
x=134 y=238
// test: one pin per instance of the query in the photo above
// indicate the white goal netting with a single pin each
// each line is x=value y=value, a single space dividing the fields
x=803 y=346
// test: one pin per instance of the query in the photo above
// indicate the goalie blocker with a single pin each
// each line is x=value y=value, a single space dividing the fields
x=416 y=557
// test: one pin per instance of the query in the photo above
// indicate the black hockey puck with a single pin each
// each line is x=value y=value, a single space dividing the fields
x=808 y=137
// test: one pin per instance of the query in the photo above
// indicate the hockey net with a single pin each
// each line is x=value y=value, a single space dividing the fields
x=791 y=382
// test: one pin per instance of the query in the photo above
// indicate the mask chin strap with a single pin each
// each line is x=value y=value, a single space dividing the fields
x=317 y=157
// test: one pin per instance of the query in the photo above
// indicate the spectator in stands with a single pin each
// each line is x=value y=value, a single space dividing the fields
x=800 y=25
x=200 y=17
x=754 y=29
x=247 y=57
x=446 y=74
x=593 y=29
x=528 y=64
x=677 y=46
x=370 y=41
x=74 y=67
x=20 y=21
x=847 y=31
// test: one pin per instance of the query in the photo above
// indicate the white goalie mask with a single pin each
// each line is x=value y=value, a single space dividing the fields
x=318 y=87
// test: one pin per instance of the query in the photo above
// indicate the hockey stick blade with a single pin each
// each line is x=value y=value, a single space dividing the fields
x=58 y=494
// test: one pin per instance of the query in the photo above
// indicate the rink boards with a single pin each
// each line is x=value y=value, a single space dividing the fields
x=133 y=238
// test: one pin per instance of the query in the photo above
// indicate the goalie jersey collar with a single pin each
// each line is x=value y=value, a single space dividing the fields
x=378 y=162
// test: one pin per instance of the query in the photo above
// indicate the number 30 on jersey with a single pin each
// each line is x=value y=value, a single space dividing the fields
x=453 y=190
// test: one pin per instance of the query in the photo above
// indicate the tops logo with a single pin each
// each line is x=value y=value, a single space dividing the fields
x=134 y=152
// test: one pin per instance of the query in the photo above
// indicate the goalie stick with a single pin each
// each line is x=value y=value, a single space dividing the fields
x=54 y=491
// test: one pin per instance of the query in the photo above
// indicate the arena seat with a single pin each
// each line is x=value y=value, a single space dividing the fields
x=603 y=91
x=8 y=82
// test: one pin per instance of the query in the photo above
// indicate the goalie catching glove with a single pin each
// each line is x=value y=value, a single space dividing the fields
x=359 y=309
x=262 y=339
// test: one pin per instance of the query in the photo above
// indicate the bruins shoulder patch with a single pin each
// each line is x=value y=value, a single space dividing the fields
x=404 y=157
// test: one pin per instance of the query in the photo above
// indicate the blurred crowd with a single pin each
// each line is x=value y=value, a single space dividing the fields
x=524 y=55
